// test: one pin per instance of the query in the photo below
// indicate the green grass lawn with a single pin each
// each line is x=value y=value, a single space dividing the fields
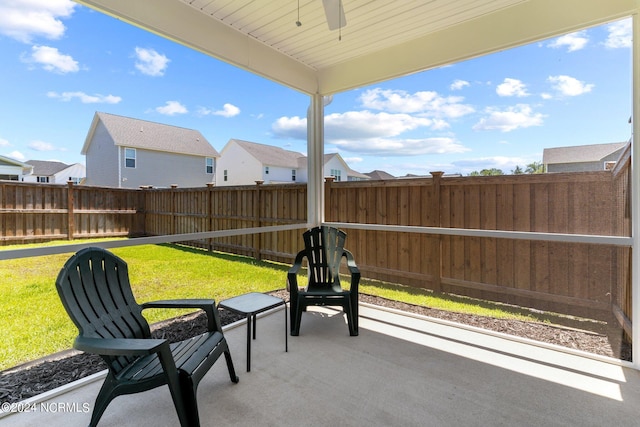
x=34 y=323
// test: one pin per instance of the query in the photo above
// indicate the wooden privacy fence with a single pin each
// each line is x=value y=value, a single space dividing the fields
x=575 y=278
x=32 y=213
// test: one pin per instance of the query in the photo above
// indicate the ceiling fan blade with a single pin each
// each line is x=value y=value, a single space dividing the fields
x=335 y=14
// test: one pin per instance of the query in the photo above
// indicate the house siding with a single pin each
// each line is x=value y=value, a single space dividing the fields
x=278 y=175
x=597 y=165
x=242 y=168
x=148 y=163
x=102 y=159
x=335 y=163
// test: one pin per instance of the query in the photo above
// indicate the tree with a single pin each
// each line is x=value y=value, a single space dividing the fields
x=535 y=167
x=517 y=171
x=487 y=172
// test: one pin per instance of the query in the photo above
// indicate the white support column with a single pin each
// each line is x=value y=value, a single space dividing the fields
x=635 y=196
x=315 y=161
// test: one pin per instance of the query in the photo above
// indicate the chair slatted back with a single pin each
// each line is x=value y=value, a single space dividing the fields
x=95 y=291
x=324 y=246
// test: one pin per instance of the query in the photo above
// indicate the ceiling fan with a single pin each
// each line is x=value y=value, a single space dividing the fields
x=334 y=12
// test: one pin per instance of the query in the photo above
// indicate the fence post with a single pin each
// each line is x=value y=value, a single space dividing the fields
x=257 y=238
x=437 y=278
x=174 y=204
x=328 y=180
x=71 y=221
x=210 y=186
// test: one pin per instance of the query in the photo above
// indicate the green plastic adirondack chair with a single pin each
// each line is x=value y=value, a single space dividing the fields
x=95 y=290
x=324 y=250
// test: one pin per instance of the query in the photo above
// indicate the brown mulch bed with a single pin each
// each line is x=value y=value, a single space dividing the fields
x=31 y=379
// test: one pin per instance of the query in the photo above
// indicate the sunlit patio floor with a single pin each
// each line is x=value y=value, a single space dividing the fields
x=400 y=371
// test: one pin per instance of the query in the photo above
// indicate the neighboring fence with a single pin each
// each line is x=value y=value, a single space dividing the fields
x=568 y=277
x=31 y=213
x=573 y=278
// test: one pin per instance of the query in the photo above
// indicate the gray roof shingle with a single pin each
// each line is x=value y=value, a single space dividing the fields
x=270 y=155
x=136 y=133
x=580 y=153
x=46 y=168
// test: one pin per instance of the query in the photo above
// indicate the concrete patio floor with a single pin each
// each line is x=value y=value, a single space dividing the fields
x=401 y=371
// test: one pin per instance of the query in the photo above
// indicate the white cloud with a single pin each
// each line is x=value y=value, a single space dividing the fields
x=401 y=147
x=150 y=62
x=228 y=110
x=512 y=87
x=172 y=108
x=373 y=133
x=573 y=41
x=459 y=84
x=429 y=103
x=290 y=127
x=84 y=98
x=350 y=160
x=25 y=20
x=52 y=60
x=620 y=34
x=4 y=143
x=569 y=86
x=519 y=116
x=44 y=146
x=17 y=155
x=365 y=124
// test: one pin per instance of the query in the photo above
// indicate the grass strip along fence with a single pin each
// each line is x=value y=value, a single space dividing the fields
x=35 y=323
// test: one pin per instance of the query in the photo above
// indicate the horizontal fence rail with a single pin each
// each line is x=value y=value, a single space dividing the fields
x=550 y=241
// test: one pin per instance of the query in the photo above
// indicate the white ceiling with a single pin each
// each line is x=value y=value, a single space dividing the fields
x=382 y=39
x=371 y=25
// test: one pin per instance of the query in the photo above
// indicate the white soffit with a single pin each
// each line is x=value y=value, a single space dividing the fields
x=382 y=39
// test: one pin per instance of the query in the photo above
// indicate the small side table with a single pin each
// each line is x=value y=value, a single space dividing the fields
x=251 y=305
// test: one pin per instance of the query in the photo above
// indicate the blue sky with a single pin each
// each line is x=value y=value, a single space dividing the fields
x=62 y=62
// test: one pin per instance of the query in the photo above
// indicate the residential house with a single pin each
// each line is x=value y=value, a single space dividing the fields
x=335 y=166
x=125 y=152
x=55 y=172
x=13 y=170
x=244 y=163
x=582 y=158
x=379 y=175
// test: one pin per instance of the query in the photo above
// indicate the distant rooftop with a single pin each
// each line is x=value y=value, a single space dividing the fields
x=378 y=174
x=46 y=168
x=136 y=133
x=580 y=153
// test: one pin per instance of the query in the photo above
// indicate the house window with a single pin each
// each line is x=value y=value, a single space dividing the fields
x=225 y=174
x=336 y=174
x=43 y=179
x=293 y=174
x=209 y=165
x=75 y=180
x=129 y=157
x=266 y=170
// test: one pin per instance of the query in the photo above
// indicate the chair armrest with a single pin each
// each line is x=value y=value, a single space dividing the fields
x=292 y=274
x=353 y=269
x=120 y=346
x=207 y=305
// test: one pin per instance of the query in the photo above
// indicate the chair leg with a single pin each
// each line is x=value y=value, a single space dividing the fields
x=232 y=371
x=355 y=311
x=189 y=401
x=352 y=316
x=295 y=316
x=105 y=396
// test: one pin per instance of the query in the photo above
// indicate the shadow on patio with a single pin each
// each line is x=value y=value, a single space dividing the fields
x=401 y=370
